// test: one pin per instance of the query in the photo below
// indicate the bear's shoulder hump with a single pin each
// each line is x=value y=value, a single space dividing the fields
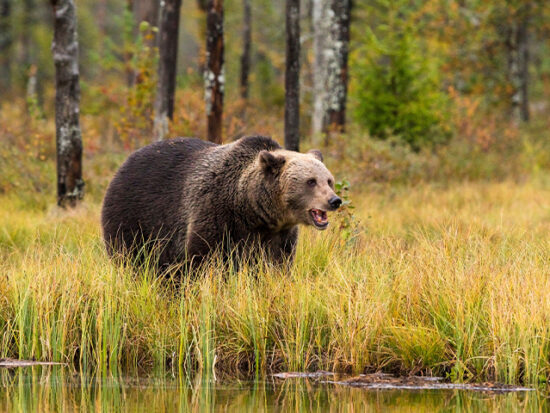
x=258 y=143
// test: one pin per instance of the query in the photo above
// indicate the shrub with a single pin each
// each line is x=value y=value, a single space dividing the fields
x=396 y=87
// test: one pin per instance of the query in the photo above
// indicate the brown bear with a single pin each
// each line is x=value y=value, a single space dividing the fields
x=185 y=198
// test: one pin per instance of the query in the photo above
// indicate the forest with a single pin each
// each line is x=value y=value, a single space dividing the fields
x=433 y=116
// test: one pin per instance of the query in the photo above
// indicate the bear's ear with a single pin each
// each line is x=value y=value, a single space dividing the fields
x=316 y=153
x=270 y=162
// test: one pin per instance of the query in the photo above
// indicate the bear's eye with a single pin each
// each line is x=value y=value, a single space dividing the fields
x=311 y=182
x=330 y=183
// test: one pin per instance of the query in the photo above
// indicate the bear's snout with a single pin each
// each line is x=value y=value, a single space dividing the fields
x=335 y=202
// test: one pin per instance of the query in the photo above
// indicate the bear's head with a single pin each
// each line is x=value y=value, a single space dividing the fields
x=305 y=185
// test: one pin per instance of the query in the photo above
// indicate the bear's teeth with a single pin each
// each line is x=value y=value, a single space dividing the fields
x=319 y=216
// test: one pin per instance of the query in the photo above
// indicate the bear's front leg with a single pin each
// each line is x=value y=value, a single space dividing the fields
x=199 y=242
x=205 y=238
x=282 y=246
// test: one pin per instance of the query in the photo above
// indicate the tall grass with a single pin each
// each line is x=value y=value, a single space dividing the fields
x=439 y=281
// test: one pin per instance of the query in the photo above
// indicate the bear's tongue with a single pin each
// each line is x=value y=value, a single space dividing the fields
x=320 y=217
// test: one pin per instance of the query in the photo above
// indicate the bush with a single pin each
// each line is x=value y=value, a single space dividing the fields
x=396 y=87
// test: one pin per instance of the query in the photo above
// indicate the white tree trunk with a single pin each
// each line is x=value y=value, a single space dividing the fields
x=336 y=62
x=320 y=27
x=70 y=186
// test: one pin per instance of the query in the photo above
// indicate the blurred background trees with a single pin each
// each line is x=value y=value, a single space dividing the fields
x=421 y=75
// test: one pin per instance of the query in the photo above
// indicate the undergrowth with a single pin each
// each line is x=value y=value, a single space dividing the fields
x=435 y=281
x=437 y=264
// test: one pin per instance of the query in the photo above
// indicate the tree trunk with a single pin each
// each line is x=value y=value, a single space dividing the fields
x=517 y=45
x=320 y=27
x=214 y=74
x=337 y=66
x=6 y=41
x=70 y=186
x=292 y=76
x=523 y=62
x=168 y=56
x=247 y=40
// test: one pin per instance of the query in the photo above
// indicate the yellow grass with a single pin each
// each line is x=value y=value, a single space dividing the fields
x=446 y=281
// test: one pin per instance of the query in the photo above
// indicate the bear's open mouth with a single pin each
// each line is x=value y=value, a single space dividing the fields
x=319 y=218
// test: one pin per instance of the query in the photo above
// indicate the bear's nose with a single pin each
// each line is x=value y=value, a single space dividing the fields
x=335 y=202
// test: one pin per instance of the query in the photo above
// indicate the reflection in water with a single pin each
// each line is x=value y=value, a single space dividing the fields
x=56 y=389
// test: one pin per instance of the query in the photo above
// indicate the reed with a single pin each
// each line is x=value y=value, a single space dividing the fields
x=448 y=281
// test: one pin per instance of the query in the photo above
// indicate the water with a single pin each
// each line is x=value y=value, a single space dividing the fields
x=55 y=389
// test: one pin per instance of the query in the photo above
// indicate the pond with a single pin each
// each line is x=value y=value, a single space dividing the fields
x=57 y=389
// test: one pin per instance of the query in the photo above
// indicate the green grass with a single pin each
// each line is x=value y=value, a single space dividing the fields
x=444 y=281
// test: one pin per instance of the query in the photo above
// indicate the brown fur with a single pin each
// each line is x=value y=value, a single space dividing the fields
x=193 y=197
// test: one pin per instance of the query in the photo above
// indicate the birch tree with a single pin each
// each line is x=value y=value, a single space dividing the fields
x=168 y=56
x=214 y=74
x=292 y=76
x=336 y=55
x=320 y=27
x=513 y=25
x=70 y=186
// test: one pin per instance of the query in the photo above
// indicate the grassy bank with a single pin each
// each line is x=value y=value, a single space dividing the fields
x=444 y=281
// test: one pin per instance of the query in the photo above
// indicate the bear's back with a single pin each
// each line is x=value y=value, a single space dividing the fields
x=143 y=200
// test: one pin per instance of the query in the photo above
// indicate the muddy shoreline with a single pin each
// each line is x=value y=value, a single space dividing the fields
x=8 y=363
x=391 y=382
